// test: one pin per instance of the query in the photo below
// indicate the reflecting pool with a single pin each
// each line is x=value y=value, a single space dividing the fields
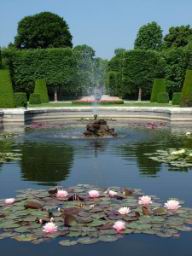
x=61 y=156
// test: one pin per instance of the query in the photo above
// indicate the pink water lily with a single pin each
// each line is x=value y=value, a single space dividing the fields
x=124 y=210
x=145 y=200
x=119 y=226
x=94 y=193
x=9 y=201
x=50 y=228
x=112 y=193
x=61 y=194
x=172 y=205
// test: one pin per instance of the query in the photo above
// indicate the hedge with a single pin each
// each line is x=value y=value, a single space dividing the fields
x=56 y=66
x=6 y=90
x=34 y=99
x=176 y=99
x=186 y=94
x=159 y=86
x=20 y=99
x=163 y=97
x=41 y=89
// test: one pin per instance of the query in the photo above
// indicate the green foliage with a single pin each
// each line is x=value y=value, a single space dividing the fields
x=163 y=97
x=41 y=89
x=149 y=37
x=34 y=99
x=176 y=63
x=176 y=99
x=6 y=90
x=56 y=66
x=0 y=59
x=20 y=99
x=43 y=30
x=159 y=86
x=186 y=94
x=178 y=36
x=140 y=68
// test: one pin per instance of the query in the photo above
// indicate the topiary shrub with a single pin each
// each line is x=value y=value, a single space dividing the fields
x=34 y=99
x=20 y=99
x=176 y=99
x=6 y=90
x=163 y=97
x=159 y=85
x=186 y=94
x=41 y=89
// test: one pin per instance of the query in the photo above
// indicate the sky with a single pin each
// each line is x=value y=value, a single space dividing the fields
x=102 y=24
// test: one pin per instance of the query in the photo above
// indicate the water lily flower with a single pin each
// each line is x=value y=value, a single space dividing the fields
x=119 y=226
x=94 y=193
x=178 y=152
x=112 y=193
x=62 y=194
x=50 y=228
x=10 y=201
x=172 y=205
x=124 y=210
x=188 y=133
x=145 y=200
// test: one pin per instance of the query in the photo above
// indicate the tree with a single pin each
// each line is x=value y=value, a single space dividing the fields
x=43 y=30
x=178 y=36
x=140 y=68
x=149 y=37
x=176 y=64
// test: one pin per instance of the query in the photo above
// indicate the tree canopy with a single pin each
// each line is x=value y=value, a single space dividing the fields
x=178 y=36
x=149 y=37
x=43 y=30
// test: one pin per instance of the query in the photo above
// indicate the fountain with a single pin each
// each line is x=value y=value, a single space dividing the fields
x=99 y=128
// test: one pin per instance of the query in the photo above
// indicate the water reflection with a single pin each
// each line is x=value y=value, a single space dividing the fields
x=46 y=163
x=146 y=166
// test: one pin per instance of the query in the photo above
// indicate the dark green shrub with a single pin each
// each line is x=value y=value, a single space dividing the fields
x=41 y=89
x=176 y=99
x=20 y=99
x=6 y=90
x=186 y=94
x=159 y=86
x=34 y=99
x=163 y=97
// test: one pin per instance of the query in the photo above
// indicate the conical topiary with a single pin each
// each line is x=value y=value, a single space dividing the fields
x=6 y=90
x=41 y=89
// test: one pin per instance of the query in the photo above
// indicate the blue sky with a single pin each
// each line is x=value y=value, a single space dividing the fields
x=103 y=24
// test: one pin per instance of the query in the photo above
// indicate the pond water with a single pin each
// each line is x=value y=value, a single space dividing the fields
x=61 y=156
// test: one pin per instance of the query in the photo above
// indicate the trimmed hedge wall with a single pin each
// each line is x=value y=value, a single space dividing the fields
x=34 y=99
x=57 y=66
x=41 y=89
x=163 y=97
x=20 y=99
x=159 y=86
x=186 y=94
x=6 y=90
x=176 y=99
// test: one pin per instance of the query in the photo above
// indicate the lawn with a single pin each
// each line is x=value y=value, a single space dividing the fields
x=126 y=104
